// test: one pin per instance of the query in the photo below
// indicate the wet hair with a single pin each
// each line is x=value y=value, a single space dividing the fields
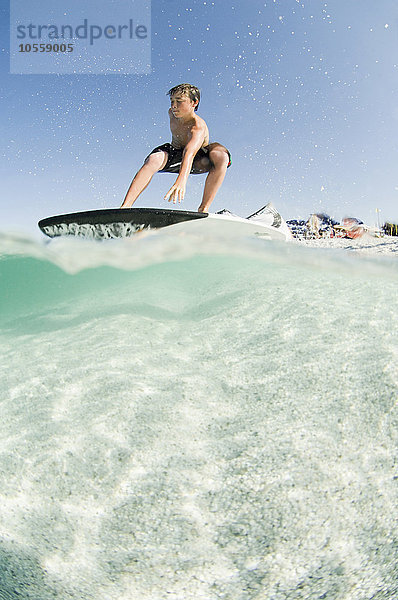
x=187 y=89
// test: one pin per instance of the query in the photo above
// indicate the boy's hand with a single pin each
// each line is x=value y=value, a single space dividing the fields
x=176 y=192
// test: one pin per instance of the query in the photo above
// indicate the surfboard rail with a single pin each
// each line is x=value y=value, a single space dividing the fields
x=114 y=222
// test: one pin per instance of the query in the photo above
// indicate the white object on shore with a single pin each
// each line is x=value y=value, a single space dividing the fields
x=265 y=223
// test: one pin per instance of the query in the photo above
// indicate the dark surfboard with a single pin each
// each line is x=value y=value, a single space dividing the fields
x=114 y=222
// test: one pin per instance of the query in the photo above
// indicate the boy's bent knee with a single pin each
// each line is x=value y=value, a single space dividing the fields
x=156 y=161
x=219 y=155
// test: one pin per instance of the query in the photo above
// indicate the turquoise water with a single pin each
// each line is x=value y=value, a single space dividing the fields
x=187 y=418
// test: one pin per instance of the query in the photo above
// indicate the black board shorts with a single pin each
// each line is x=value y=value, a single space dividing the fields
x=174 y=158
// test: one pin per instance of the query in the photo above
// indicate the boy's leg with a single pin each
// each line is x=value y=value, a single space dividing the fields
x=219 y=159
x=153 y=163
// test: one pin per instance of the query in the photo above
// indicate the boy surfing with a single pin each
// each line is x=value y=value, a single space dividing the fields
x=189 y=152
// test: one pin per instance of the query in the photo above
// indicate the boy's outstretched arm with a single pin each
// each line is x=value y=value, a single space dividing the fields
x=177 y=191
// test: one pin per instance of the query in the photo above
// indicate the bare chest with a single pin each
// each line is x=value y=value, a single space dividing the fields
x=181 y=133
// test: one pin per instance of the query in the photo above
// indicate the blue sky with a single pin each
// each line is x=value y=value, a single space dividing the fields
x=303 y=93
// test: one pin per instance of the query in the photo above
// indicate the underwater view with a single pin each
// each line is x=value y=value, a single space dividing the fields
x=189 y=417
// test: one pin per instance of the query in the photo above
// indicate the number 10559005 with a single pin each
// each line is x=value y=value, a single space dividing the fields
x=45 y=47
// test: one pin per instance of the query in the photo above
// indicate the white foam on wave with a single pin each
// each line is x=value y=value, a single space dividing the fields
x=74 y=254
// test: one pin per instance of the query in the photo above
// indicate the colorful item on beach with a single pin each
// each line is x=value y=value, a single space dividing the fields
x=390 y=229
